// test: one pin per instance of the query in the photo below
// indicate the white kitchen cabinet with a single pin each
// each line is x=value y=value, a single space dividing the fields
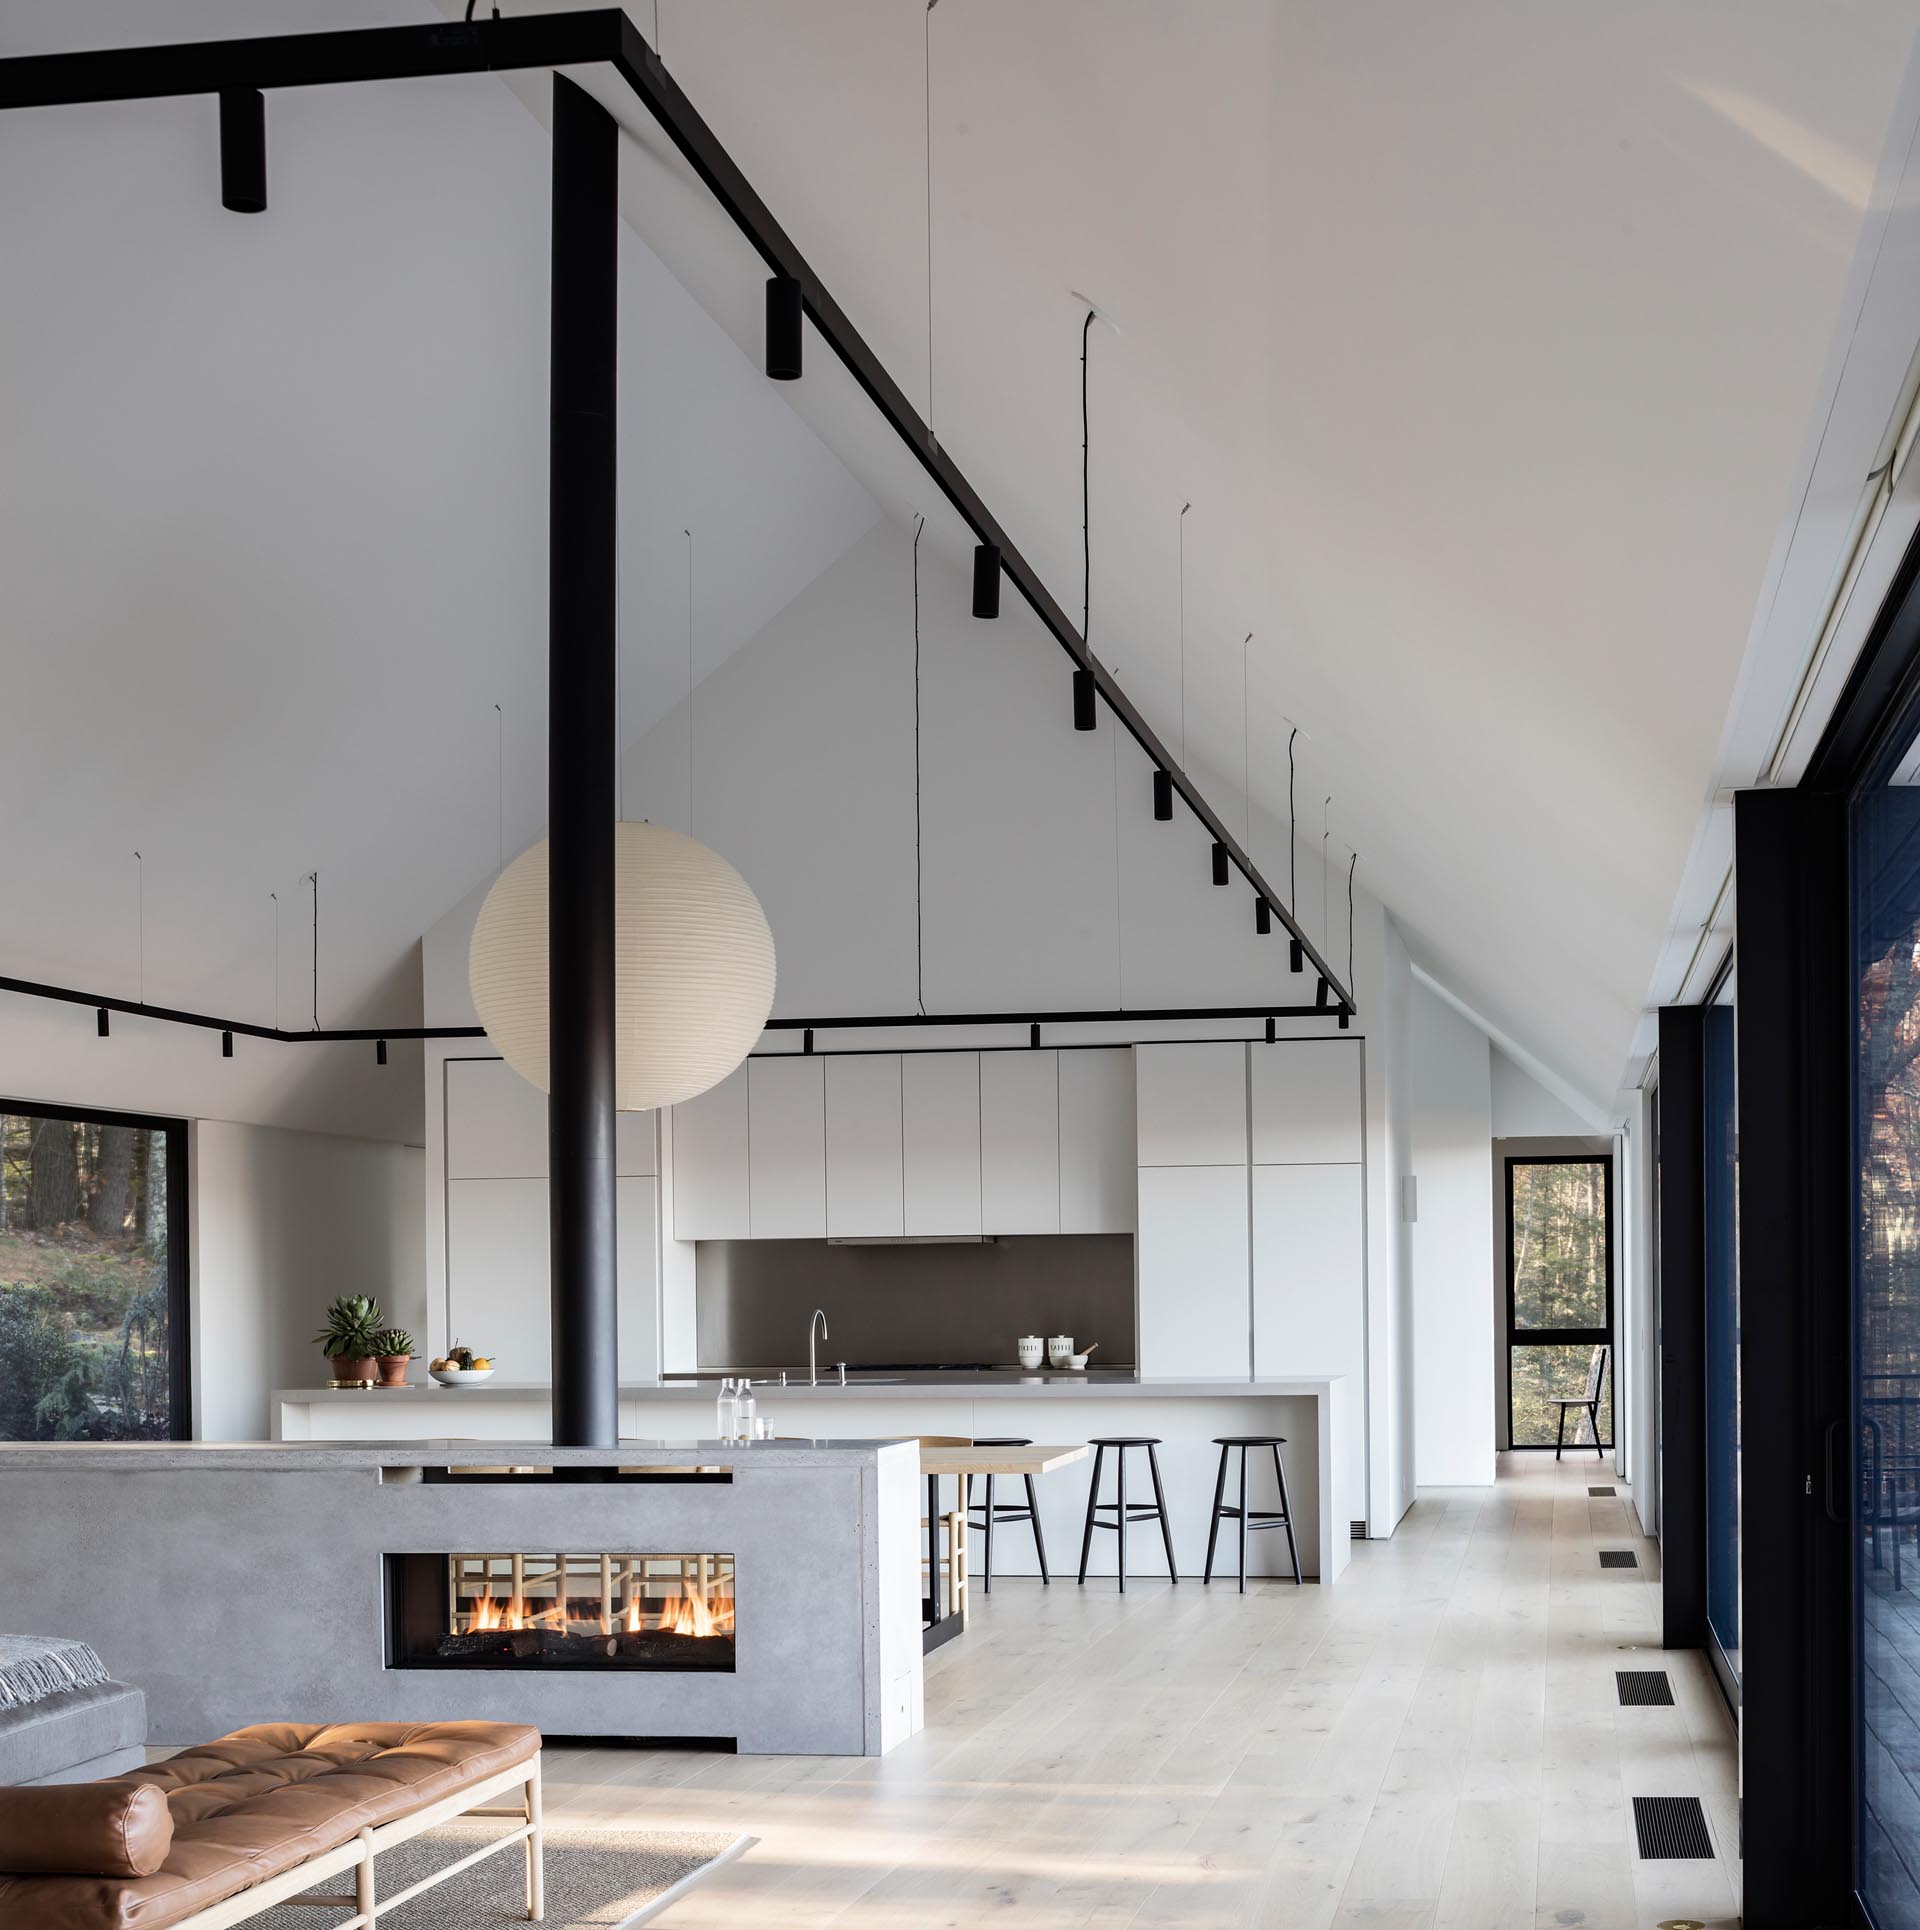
x=1309 y=1278
x=864 y=1181
x=1191 y=1104
x=1306 y=1102
x=499 y=1272
x=786 y=1148
x=497 y=1126
x=940 y=1133
x=711 y=1185
x=1020 y=1142
x=1097 y=1141
x=1195 y=1304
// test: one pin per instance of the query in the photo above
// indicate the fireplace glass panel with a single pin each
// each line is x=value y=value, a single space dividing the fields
x=561 y=1611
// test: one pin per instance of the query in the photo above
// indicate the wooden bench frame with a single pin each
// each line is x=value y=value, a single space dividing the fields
x=358 y=1853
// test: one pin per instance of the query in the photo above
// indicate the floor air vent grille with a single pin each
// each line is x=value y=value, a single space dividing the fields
x=1670 y=1828
x=1358 y=1530
x=1599 y=1490
x=1618 y=1558
x=1644 y=1688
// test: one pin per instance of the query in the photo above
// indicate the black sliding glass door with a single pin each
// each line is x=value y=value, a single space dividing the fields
x=1721 y=1333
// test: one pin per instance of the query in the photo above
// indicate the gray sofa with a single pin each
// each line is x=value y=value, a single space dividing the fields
x=75 y=1736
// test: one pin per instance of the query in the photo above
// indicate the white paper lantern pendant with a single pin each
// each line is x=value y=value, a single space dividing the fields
x=693 y=966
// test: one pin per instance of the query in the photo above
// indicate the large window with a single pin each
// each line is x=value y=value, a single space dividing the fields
x=1559 y=1298
x=1721 y=1329
x=93 y=1341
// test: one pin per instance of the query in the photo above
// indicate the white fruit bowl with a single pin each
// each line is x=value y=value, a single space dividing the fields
x=460 y=1376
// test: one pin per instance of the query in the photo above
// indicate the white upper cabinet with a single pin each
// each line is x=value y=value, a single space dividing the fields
x=864 y=1182
x=710 y=1178
x=497 y=1126
x=1306 y=1101
x=786 y=1148
x=1020 y=1142
x=1195 y=1308
x=1097 y=1150
x=940 y=1122
x=1192 y=1104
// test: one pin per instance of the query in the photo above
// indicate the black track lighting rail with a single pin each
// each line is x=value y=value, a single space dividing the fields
x=1127 y=1015
x=607 y=36
x=172 y=1015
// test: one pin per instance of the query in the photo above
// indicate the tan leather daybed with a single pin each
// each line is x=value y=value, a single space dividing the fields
x=223 y=1831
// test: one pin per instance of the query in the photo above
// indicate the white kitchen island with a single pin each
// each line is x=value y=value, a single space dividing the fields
x=1185 y=1415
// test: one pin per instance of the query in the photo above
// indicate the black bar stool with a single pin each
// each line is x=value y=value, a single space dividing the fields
x=1005 y=1511
x=1119 y=1509
x=1250 y=1519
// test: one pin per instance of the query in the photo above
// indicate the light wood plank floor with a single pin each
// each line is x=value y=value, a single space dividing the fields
x=1435 y=1742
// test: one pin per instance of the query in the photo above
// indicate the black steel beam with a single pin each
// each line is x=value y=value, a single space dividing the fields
x=1798 y=1474
x=607 y=35
x=582 y=752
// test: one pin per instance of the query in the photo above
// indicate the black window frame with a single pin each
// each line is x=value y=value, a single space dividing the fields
x=1518 y=1336
x=179 y=1271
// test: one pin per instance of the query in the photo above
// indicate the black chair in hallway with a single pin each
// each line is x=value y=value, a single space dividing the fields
x=1121 y=1511
x=1590 y=1401
x=1005 y=1511
x=1250 y=1519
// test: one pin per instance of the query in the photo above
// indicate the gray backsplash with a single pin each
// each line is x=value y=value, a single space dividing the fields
x=931 y=1305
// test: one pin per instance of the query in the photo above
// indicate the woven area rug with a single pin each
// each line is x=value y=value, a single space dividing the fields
x=597 y=1879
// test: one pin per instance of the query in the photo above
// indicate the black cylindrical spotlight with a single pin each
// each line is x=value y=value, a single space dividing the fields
x=1269 y=1031
x=1162 y=796
x=783 y=328
x=243 y=150
x=806 y=1038
x=1296 y=956
x=1033 y=1033
x=1083 y=710
x=226 y=1045
x=1219 y=862
x=986 y=580
x=379 y=1052
x=1345 y=1015
x=100 y=1022
x=1320 y=996
x=1262 y=914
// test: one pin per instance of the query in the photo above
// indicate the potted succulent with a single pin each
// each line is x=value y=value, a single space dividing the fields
x=393 y=1348
x=353 y=1323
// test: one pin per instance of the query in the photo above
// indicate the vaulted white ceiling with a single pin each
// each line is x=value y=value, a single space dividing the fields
x=1480 y=339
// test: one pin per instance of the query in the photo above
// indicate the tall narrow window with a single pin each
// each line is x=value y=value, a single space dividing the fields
x=1560 y=1301
x=93 y=1277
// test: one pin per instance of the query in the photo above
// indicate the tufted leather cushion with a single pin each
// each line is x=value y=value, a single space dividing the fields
x=262 y=1800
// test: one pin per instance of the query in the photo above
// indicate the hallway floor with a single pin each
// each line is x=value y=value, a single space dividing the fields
x=1435 y=1741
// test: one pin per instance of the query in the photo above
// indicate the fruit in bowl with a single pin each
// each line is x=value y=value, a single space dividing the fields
x=460 y=1366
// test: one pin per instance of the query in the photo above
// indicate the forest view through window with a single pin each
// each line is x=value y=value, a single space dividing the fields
x=1559 y=1297
x=92 y=1278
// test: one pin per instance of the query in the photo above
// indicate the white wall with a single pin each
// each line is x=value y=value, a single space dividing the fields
x=279 y=1224
x=1524 y=1109
x=1390 y=1330
x=1452 y=1239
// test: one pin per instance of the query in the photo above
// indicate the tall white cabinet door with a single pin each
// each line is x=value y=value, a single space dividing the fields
x=634 y=1154
x=1309 y=1277
x=1191 y=1104
x=863 y=1146
x=498 y=1261
x=1020 y=1142
x=1195 y=1309
x=786 y=1148
x=940 y=1120
x=1097 y=1155
x=496 y=1122
x=710 y=1181
x=1306 y=1102
x=638 y=1246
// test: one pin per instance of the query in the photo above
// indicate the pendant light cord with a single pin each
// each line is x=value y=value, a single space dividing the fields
x=1293 y=849
x=313 y=878
x=499 y=790
x=1353 y=858
x=1086 y=504
x=275 y=896
x=1246 y=793
x=926 y=79
x=688 y=534
x=140 y=887
x=919 y=932
x=1184 y=507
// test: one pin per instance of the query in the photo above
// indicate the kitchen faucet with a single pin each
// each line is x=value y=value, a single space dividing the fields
x=816 y=1331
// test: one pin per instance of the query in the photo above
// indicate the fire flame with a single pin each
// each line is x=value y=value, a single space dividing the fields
x=692 y=1614
x=489 y=1613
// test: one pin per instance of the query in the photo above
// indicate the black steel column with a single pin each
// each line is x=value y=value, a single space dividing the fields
x=1793 y=1027
x=581 y=754
x=1683 y=1346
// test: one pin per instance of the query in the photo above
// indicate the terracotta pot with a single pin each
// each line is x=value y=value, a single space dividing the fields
x=353 y=1367
x=393 y=1369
